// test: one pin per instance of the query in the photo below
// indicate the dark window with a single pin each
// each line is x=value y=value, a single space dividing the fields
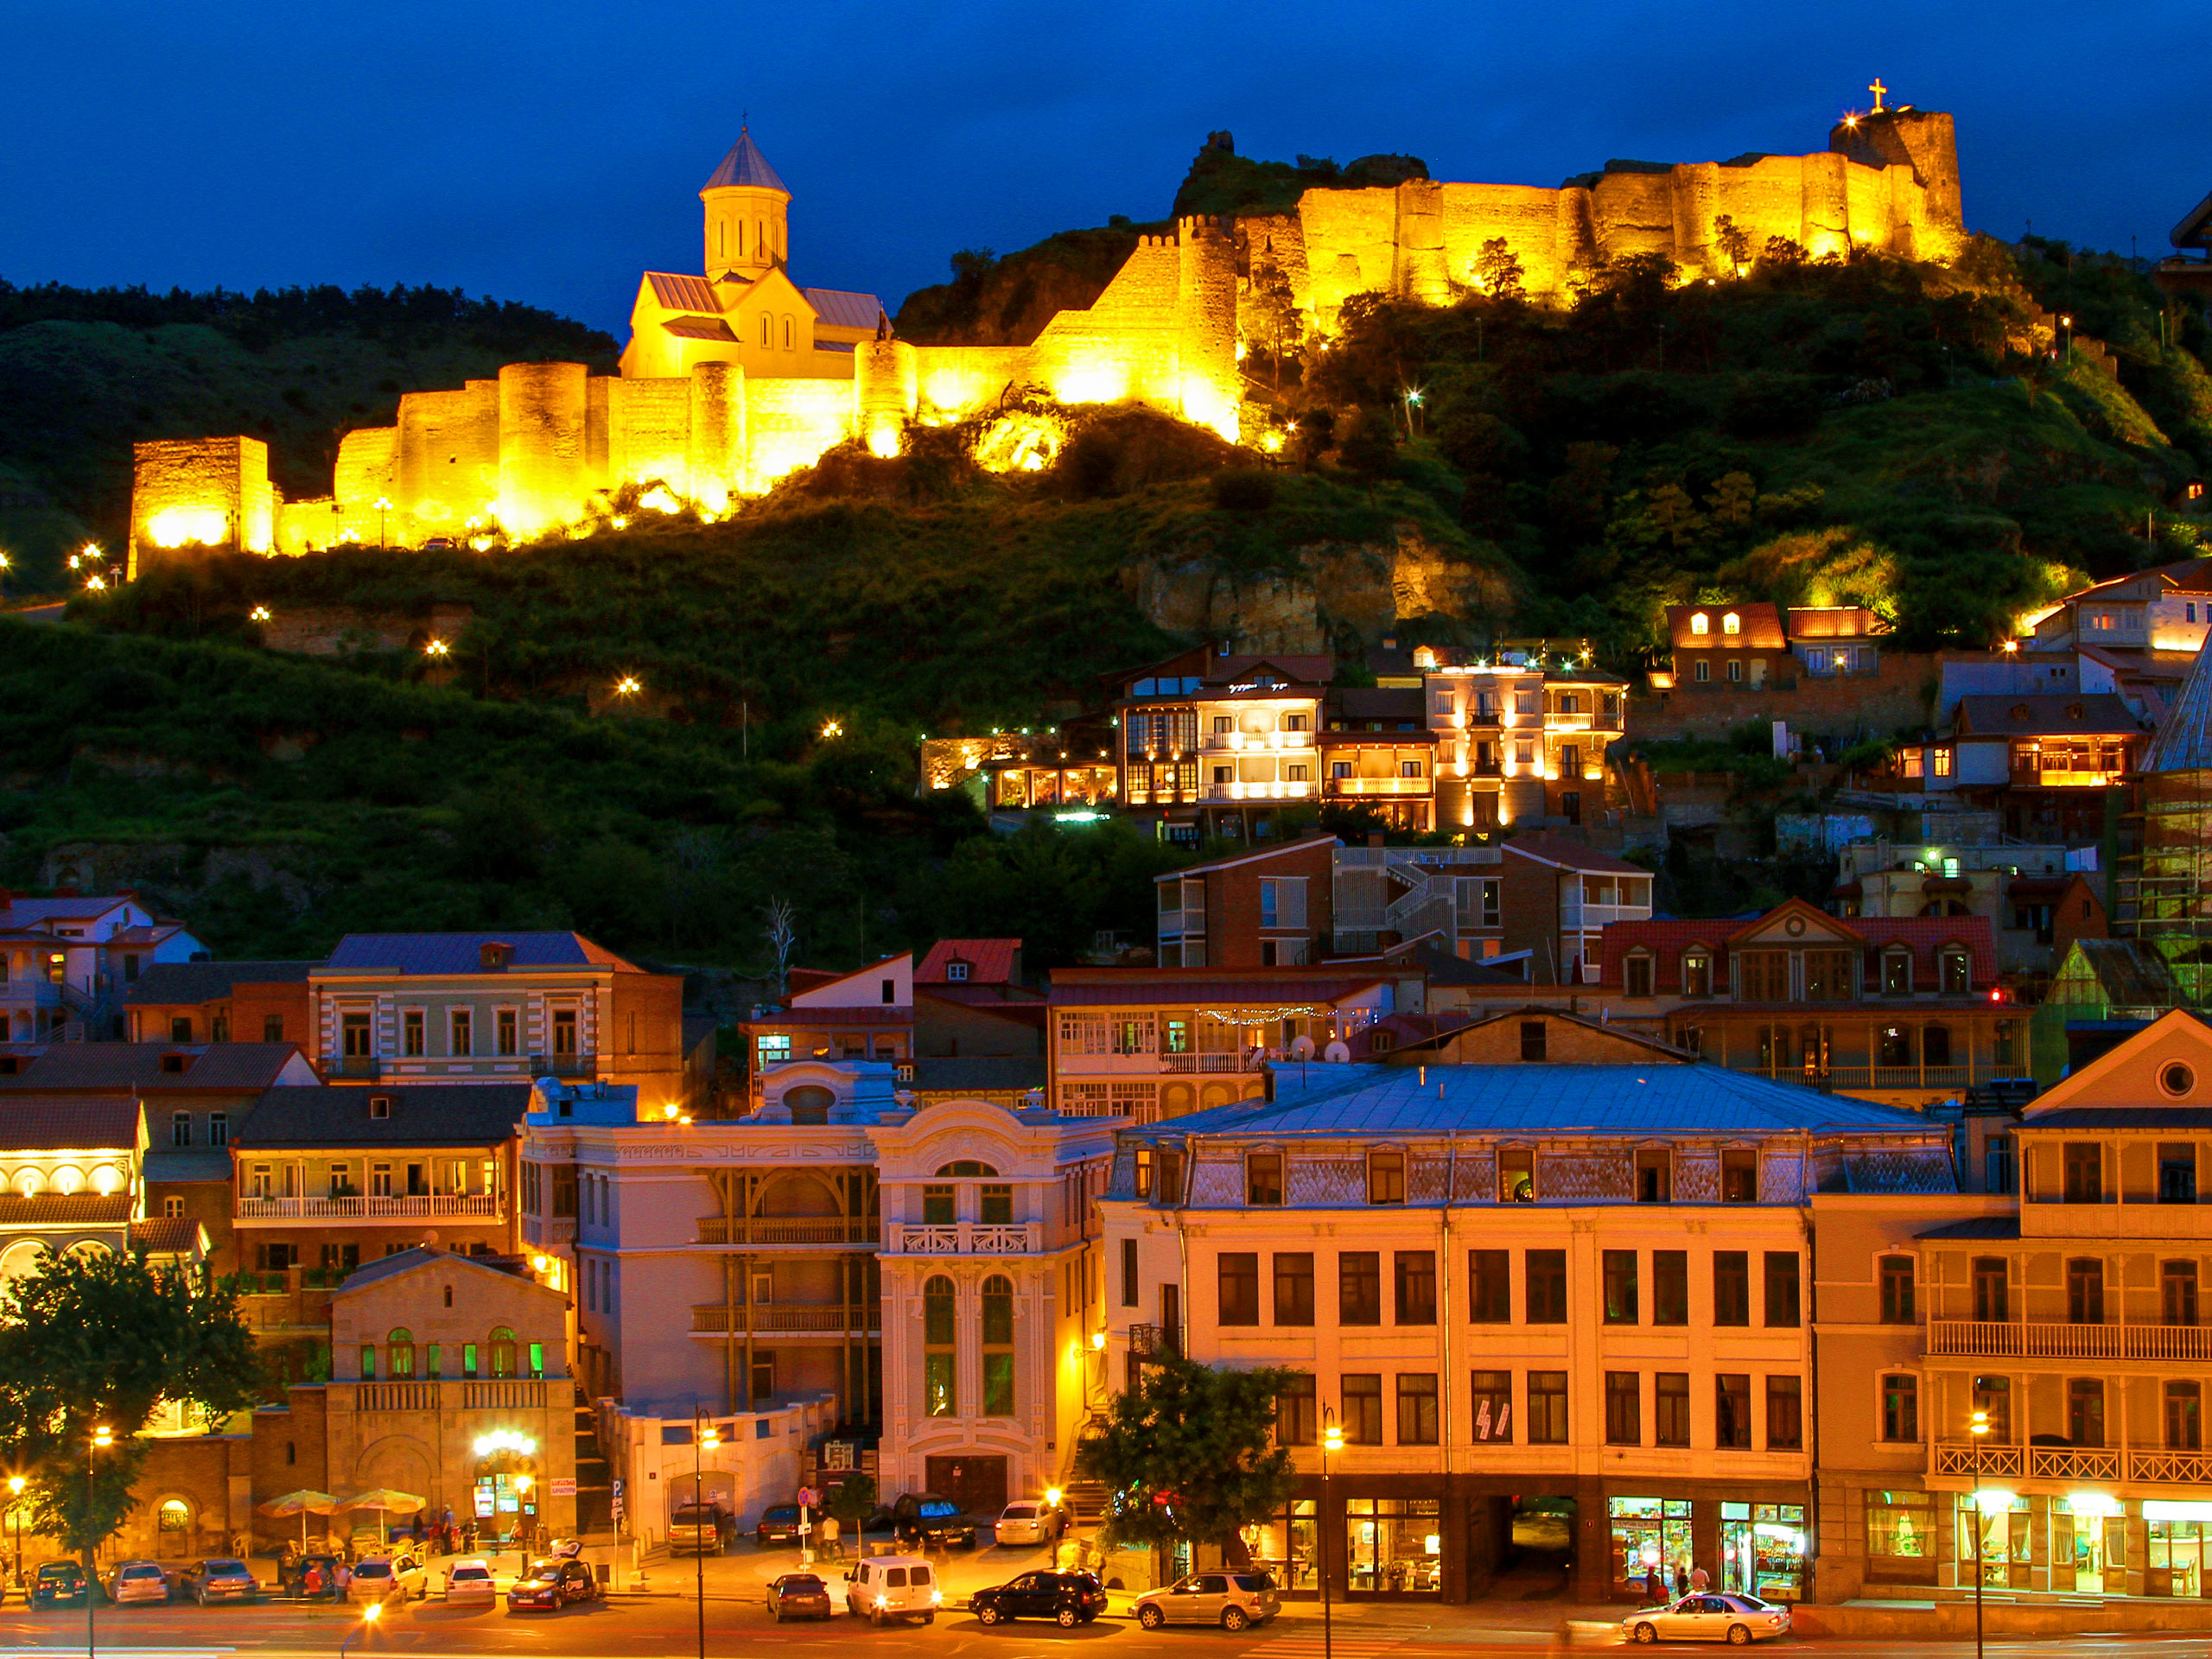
x=1417 y=1424
x=1731 y=1423
x=1239 y=1273
x=1897 y=1289
x=1901 y=1407
x=2085 y=1172
x=2178 y=1291
x=1670 y=1401
x=1263 y=1178
x=1170 y=1316
x=1782 y=1294
x=1532 y=1040
x=2085 y=1291
x=1298 y=1414
x=1386 y=1178
x=1620 y=1286
x=1130 y=1298
x=2177 y=1173
x=1732 y=1287
x=1785 y=1413
x=1654 y=1177
x=1739 y=1177
x=1416 y=1287
x=1489 y=1287
x=1548 y=1408
x=1989 y=1289
x=1363 y=1409
x=1169 y=1191
x=1624 y=1408
x=1544 y=1294
x=2085 y=1411
x=1670 y=1288
x=2184 y=1416
x=1359 y=1287
x=1493 y=1393
x=272 y=1027
x=1636 y=976
x=1295 y=1288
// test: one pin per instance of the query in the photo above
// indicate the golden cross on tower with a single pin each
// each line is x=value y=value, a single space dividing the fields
x=1878 y=89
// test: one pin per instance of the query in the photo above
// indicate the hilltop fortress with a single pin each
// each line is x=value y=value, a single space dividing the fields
x=736 y=376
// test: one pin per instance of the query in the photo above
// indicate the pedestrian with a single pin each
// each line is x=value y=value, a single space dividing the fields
x=829 y=1545
x=311 y=1581
x=1682 y=1580
x=1655 y=1591
x=1698 y=1580
x=468 y=1539
x=418 y=1526
x=342 y=1580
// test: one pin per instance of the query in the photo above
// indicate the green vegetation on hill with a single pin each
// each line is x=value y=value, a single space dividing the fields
x=1221 y=182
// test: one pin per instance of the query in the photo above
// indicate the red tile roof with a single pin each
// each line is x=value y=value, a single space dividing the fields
x=1761 y=627
x=168 y=1236
x=1926 y=936
x=990 y=961
x=1572 y=854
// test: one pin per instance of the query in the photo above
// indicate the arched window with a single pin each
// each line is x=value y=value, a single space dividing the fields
x=965 y=1166
x=740 y=239
x=768 y=328
x=1700 y=623
x=503 y=1352
x=29 y=1182
x=68 y=1180
x=173 y=1519
x=940 y=1354
x=722 y=239
x=998 y=1346
x=790 y=336
x=368 y=1362
x=809 y=1105
x=399 y=1346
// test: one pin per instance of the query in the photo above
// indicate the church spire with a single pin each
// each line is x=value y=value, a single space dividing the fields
x=744 y=165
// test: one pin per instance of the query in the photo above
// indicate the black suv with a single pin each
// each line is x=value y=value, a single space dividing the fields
x=1070 y=1599
x=930 y=1520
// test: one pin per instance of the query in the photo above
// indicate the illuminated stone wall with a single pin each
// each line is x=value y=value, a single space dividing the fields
x=198 y=492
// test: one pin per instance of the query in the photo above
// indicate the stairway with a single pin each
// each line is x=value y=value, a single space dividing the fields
x=594 y=1481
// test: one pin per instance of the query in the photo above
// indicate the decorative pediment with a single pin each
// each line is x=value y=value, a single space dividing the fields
x=1796 y=923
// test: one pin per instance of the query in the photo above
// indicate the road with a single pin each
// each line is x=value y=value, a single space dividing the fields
x=632 y=1628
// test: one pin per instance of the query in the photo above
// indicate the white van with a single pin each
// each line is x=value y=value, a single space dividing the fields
x=893 y=1586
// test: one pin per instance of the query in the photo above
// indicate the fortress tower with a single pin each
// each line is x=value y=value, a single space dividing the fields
x=748 y=230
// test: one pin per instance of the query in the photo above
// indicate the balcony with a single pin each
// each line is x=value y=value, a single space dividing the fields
x=430 y=1394
x=564 y=1066
x=1995 y=1339
x=449 y=1206
x=355 y=1068
x=1175 y=922
x=716 y=1319
x=1255 y=742
x=1186 y=1064
x=1217 y=794
x=780 y=1230
x=2052 y=778
x=2138 y=1466
x=962 y=1238
x=1372 y=786
x=1872 y=1076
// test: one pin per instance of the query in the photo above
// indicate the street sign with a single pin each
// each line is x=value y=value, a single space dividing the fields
x=617 y=1506
x=808 y=1497
x=559 y=1487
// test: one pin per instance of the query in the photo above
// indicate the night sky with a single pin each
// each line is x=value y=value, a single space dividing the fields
x=547 y=152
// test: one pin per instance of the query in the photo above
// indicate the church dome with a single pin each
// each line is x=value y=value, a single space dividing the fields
x=744 y=165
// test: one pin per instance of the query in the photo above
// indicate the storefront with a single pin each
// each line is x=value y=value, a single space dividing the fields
x=1763 y=1550
x=2007 y=1539
x=2088 y=1544
x=1649 y=1535
x=1288 y=1545
x=1901 y=1536
x=1393 y=1546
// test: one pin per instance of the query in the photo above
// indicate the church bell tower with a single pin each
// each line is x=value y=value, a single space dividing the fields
x=747 y=232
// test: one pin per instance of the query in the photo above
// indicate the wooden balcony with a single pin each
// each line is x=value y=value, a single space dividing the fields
x=1995 y=1339
x=783 y=1319
x=1186 y=1063
x=787 y=1231
x=447 y=1206
x=2134 y=1466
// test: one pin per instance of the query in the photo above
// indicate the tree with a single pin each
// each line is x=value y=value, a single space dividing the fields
x=99 y=1341
x=1190 y=1453
x=1497 y=271
x=1734 y=243
x=779 y=922
x=1370 y=450
x=852 y=1500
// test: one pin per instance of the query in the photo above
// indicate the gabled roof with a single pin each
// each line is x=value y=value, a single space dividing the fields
x=1666 y=938
x=2184 y=740
x=206 y=981
x=462 y=953
x=990 y=961
x=420 y=1115
x=2046 y=714
x=688 y=327
x=19 y=911
x=1761 y=630
x=817 y=980
x=208 y=1068
x=2128 y=974
x=32 y=1122
x=681 y=293
x=1572 y=855
x=746 y=165
x=390 y=1267
x=842 y=308
x=1280 y=850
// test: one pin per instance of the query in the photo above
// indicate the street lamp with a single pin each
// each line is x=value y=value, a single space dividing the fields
x=383 y=508
x=370 y=1614
x=1333 y=1440
x=1979 y=1426
x=704 y=1439
x=1053 y=1497
x=103 y=1437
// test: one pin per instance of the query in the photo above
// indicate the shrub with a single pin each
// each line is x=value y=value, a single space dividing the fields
x=1243 y=489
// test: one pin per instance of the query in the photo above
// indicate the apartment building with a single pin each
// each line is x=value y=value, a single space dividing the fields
x=2038 y=899
x=1376 y=752
x=218 y=1002
x=2051 y=766
x=1519 y=743
x=2064 y=1306
x=1268 y=909
x=65 y=961
x=1561 y=1311
x=929 y=1268
x=1906 y=1010
x=1153 y=1043
x=72 y=1179
x=1212 y=744
x=493 y=1009
x=2168 y=608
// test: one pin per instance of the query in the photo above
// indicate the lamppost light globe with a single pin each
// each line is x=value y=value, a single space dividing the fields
x=16 y=1484
x=1333 y=1441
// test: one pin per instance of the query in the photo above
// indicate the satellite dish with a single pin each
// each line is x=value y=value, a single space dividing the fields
x=1336 y=1053
x=1302 y=1048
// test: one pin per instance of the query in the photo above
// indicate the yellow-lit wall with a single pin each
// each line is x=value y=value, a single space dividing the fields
x=193 y=492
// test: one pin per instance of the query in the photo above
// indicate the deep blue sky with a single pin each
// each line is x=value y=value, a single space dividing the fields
x=547 y=151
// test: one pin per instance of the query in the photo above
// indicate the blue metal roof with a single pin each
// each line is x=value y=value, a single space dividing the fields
x=1656 y=1099
x=745 y=164
x=461 y=953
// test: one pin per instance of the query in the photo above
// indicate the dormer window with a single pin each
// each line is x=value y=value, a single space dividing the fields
x=1956 y=971
x=1700 y=625
x=492 y=956
x=379 y=1106
x=1386 y=1178
x=1697 y=973
x=1636 y=975
x=1897 y=973
x=955 y=972
x=175 y=1062
x=1732 y=624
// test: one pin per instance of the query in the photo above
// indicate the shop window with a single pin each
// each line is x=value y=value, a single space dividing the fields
x=1895 y=1274
x=1670 y=1288
x=1649 y=1535
x=1238 y=1275
x=1489 y=1287
x=2184 y=1416
x=1731 y=1428
x=1763 y=1550
x=1295 y=1288
x=1544 y=1291
x=1417 y=1422
x=1783 y=1309
x=1359 y=1287
x=1624 y=1408
x=1394 y=1545
x=1517 y=1176
x=2177 y=1293
x=1288 y=1548
x=1732 y=1287
x=1263 y=1178
x=1619 y=1276
x=1901 y=1537
x=1386 y=1178
x=1414 y=1273
x=2003 y=1541
x=1362 y=1409
x=1297 y=1411
x=1785 y=1413
x=1547 y=1408
x=1901 y=1407
x=1670 y=1414
x=1739 y=1177
x=1492 y=1393
x=940 y=1394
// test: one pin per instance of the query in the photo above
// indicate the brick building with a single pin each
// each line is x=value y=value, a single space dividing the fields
x=1268 y=909
x=220 y=1003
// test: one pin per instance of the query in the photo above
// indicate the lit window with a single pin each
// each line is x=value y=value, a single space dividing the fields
x=1941 y=762
x=1700 y=624
x=1732 y=623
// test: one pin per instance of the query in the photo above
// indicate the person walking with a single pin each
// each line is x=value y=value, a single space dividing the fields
x=1655 y=1589
x=831 y=1546
x=1698 y=1580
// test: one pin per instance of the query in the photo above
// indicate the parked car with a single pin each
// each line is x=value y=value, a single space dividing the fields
x=470 y=1579
x=138 y=1581
x=892 y=1587
x=219 y=1578
x=798 y=1595
x=551 y=1584
x=1230 y=1599
x=1030 y=1522
x=59 y=1584
x=703 y=1529
x=388 y=1578
x=1733 y=1619
x=930 y=1520
x=324 y=1568
x=1069 y=1599
x=778 y=1525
